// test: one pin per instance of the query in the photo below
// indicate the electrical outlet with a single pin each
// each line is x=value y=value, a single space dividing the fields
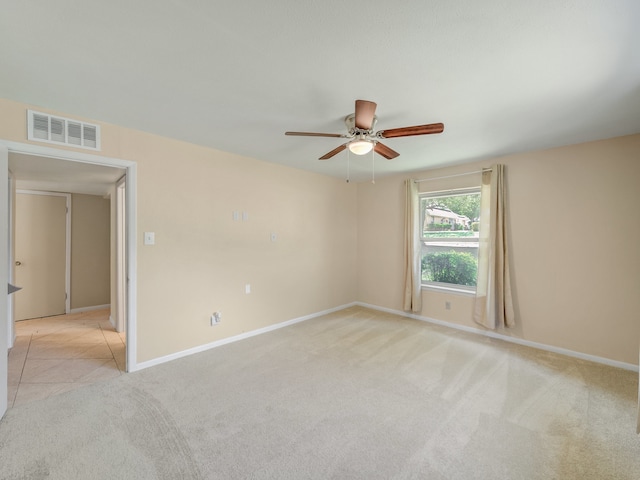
x=247 y=288
x=447 y=305
x=216 y=318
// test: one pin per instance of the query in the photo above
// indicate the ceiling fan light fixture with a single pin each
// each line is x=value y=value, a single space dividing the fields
x=360 y=147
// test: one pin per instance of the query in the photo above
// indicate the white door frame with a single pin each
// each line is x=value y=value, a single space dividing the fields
x=67 y=242
x=121 y=258
x=11 y=332
x=130 y=207
x=4 y=277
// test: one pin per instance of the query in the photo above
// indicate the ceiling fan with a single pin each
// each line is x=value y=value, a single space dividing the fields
x=363 y=138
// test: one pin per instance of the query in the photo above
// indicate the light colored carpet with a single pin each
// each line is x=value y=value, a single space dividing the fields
x=357 y=394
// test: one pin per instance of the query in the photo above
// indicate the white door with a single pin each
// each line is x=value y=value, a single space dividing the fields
x=40 y=255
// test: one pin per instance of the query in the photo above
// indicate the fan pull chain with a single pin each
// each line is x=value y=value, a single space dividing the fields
x=373 y=167
x=348 y=158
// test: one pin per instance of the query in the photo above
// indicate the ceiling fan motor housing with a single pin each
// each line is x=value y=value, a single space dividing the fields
x=350 y=122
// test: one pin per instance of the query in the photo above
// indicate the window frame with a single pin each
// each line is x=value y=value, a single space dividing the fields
x=440 y=286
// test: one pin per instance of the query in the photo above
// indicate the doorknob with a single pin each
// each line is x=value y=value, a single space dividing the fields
x=18 y=263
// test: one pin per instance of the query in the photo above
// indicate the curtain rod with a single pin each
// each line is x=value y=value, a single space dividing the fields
x=455 y=175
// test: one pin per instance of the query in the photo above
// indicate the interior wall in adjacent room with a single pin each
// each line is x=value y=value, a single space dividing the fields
x=90 y=251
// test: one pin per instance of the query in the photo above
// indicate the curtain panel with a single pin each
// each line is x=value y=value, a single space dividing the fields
x=412 y=281
x=493 y=306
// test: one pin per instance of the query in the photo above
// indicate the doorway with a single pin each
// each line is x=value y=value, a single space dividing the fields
x=45 y=164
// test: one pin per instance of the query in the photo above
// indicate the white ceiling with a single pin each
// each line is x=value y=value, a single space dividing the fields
x=503 y=76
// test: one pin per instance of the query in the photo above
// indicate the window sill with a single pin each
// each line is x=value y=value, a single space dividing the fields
x=451 y=290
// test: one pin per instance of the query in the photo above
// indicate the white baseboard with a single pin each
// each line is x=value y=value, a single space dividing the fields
x=506 y=338
x=477 y=331
x=235 y=338
x=88 y=309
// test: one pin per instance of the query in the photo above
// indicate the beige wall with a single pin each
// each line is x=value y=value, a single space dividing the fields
x=575 y=273
x=90 y=251
x=203 y=258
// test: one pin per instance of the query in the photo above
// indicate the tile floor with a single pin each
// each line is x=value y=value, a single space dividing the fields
x=57 y=354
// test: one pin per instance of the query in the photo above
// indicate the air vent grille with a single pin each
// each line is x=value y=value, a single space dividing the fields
x=52 y=129
x=74 y=133
x=40 y=127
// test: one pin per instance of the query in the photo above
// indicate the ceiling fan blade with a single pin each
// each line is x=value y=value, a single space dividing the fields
x=333 y=152
x=385 y=151
x=365 y=111
x=409 y=131
x=312 y=134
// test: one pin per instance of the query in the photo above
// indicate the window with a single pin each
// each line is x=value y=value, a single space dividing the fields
x=450 y=238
